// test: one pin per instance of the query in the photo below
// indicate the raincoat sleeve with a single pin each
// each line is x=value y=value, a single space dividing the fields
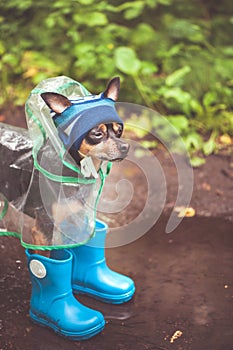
x=15 y=175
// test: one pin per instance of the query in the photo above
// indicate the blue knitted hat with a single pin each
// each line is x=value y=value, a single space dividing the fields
x=84 y=114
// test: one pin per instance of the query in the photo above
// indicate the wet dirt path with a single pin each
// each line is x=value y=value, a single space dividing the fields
x=184 y=282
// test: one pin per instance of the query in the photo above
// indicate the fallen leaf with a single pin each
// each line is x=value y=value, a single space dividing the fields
x=225 y=139
x=185 y=212
x=175 y=336
x=206 y=186
x=31 y=72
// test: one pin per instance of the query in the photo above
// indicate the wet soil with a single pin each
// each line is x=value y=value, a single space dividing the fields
x=184 y=280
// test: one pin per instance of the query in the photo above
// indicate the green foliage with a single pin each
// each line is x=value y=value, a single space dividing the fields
x=172 y=55
x=127 y=61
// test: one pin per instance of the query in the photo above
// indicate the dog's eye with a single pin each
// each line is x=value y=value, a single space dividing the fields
x=96 y=134
x=119 y=131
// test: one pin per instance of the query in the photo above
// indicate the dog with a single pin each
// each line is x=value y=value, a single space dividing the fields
x=100 y=143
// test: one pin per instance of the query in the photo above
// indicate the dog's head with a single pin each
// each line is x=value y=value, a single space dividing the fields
x=90 y=126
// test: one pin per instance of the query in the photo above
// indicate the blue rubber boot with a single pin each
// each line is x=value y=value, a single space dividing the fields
x=92 y=276
x=52 y=301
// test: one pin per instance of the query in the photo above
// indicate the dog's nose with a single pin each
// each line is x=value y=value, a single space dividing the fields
x=124 y=148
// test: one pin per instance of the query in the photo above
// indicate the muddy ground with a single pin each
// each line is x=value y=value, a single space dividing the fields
x=184 y=280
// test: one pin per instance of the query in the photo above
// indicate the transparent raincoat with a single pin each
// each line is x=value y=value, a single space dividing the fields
x=60 y=199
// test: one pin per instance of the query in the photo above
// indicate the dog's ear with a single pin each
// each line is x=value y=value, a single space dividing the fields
x=58 y=103
x=113 y=88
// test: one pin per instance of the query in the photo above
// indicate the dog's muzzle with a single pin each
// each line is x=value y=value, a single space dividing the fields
x=123 y=148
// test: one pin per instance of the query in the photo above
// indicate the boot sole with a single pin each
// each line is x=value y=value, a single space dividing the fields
x=70 y=335
x=106 y=298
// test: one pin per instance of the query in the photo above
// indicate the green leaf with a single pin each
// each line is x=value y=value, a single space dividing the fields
x=180 y=122
x=148 y=68
x=126 y=60
x=152 y=3
x=135 y=10
x=143 y=35
x=177 y=100
x=174 y=50
x=2 y=48
x=165 y=2
x=10 y=59
x=91 y=19
x=197 y=161
x=176 y=76
x=228 y=50
x=196 y=107
x=210 y=145
x=86 y=2
x=149 y=144
x=184 y=29
x=130 y=4
x=50 y=21
x=193 y=141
